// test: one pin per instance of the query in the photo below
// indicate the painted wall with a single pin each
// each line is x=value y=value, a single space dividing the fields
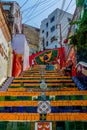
x=53 y=56
x=20 y=46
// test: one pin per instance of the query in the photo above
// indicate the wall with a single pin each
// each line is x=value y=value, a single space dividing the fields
x=3 y=57
x=20 y=46
x=32 y=36
x=26 y=56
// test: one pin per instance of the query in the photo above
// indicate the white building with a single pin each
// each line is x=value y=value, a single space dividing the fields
x=51 y=27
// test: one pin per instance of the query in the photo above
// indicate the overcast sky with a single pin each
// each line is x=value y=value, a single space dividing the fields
x=34 y=11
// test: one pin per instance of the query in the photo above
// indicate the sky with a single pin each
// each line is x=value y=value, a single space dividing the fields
x=34 y=11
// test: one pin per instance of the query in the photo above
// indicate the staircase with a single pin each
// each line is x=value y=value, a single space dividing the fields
x=67 y=104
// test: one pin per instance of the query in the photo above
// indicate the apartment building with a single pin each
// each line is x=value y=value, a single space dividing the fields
x=54 y=28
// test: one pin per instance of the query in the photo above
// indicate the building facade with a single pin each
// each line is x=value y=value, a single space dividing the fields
x=53 y=29
x=5 y=48
x=19 y=43
x=14 y=17
x=33 y=39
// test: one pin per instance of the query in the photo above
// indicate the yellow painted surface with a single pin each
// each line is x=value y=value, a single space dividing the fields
x=52 y=103
x=55 y=93
x=49 y=117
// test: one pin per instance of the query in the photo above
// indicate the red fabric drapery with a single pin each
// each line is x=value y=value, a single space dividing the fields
x=17 y=65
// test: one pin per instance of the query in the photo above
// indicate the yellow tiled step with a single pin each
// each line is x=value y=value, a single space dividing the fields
x=38 y=81
x=19 y=116
x=55 y=93
x=59 y=77
x=39 y=74
x=36 y=89
x=52 y=103
x=66 y=117
x=49 y=117
x=38 y=84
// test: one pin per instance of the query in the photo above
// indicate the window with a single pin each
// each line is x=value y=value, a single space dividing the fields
x=47 y=43
x=69 y=19
x=52 y=19
x=46 y=24
x=55 y=46
x=53 y=39
x=42 y=31
x=46 y=34
x=6 y=7
x=52 y=28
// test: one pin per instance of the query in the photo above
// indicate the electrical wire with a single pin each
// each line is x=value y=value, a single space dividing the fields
x=62 y=15
x=32 y=9
x=40 y=12
x=43 y=2
x=67 y=24
x=39 y=8
x=61 y=10
x=24 y=4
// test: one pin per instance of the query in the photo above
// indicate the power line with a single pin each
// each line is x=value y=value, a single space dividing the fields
x=33 y=9
x=40 y=4
x=62 y=15
x=43 y=2
x=67 y=24
x=24 y=4
x=41 y=12
x=61 y=9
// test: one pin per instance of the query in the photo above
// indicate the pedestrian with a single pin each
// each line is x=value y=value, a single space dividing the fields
x=32 y=62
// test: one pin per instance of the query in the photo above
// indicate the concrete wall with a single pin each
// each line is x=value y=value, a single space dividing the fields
x=32 y=36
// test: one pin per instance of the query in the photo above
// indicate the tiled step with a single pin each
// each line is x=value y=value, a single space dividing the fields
x=55 y=93
x=52 y=103
x=46 y=77
x=49 y=117
x=38 y=84
x=40 y=90
x=39 y=81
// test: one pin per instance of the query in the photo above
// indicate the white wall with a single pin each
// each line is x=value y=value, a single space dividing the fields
x=17 y=18
x=3 y=60
x=26 y=56
x=20 y=46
